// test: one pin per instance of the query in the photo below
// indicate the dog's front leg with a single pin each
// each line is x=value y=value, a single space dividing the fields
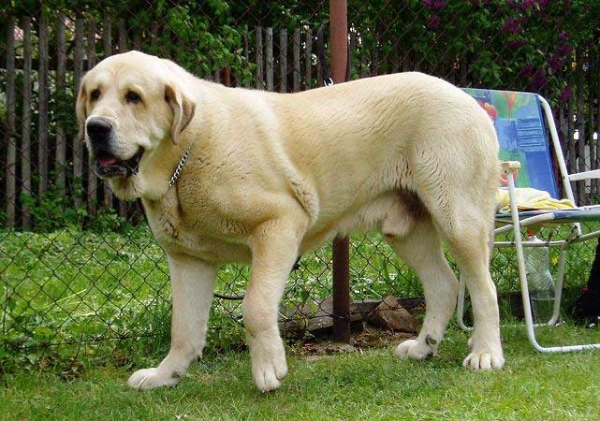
x=192 y=291
x=274 y=250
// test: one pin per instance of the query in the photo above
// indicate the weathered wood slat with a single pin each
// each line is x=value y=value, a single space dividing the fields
x=43 y=107
x=283 y=49
x=260 y=79
x=122 y=40
x=122 y=44
x=308 y=60
x=61 y=86
x=92 y=185
x=26 y=124
x=296 y=53
x=580 y=125
x=108 y=50
x=11 y=148
x=245 y=35
x=76 y=143
x=269 y=60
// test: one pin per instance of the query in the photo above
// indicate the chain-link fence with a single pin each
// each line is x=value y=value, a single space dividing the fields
x=78 y=266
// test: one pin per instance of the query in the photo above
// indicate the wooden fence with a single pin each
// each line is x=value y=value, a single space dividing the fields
x=43 y=164
x=41 y=155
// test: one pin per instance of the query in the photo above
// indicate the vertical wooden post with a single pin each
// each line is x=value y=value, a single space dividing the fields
x=338 y=12
x=259 y=59
x=270 y=60
x=43 y=104
x=308 y=60
x=122 y=48
x=77 y=144
x=92 y=181
x=61 y=87
x=283 y=49
x=296 y=54
x=26 y=121
x=11 y=147
x=108 y=50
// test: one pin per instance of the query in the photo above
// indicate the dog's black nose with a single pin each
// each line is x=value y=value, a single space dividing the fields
x=98 y=128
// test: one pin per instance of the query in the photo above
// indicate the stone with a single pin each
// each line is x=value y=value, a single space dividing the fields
x=391 y=315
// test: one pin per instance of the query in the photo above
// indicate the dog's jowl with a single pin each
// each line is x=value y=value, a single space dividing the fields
x=233 y=175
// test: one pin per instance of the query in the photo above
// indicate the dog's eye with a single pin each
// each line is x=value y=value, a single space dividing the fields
x=132 y=97
x=95 y=95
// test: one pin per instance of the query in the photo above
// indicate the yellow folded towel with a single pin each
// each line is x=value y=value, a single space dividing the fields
x=530 y=199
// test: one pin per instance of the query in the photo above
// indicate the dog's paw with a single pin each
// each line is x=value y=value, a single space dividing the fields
x=414 y=349
x=269 y=366
x=150 y=378
x=484 y=361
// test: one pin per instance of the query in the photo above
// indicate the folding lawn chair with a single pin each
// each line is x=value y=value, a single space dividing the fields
x=523 y=122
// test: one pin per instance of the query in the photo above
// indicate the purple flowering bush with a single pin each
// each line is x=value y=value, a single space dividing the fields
x=533 y=45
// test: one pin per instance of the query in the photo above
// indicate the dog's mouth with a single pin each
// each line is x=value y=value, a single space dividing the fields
x=108 y=165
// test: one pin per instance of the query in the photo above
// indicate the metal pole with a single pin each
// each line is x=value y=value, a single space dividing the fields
x=338 y=16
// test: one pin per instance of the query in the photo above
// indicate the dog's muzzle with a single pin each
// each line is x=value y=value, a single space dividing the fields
x=100 y=134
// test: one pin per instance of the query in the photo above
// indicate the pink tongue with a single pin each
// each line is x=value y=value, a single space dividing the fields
x=107 y=161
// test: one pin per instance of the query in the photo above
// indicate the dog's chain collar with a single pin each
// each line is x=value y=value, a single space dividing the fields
x=179 y=168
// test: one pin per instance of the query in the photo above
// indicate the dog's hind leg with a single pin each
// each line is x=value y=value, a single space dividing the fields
x=467 y=227
x=192 y=291
x=469 y=244
x=274 y=247
x=421 y=250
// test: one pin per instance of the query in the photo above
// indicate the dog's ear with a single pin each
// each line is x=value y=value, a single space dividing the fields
x=80 y=110
x=183 y=111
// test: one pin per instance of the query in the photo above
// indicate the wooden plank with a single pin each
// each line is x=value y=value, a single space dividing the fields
x=166 y=44
x=308 y=59
x=122 y=40
x=26 y=123
x=11 y=147
x=226 y=77
x=375 y=65
x=137 y=40
x=92 y=181
x=43 y=106
x=260 y=80
x=122 y=44
x=463 y=70
x=283 y=48
x=364 y=67
x=108 y=50
x=580 y=113
x=320 y=44
x=61 y=86
x=296 y=54
x=107 y=36
x=154 y=35
x=571 y=144
x=245 y=82
x=351 y=54
x=77 y=144
x=269 y=60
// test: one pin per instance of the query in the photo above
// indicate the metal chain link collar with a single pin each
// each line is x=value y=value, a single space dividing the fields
x=179 y=168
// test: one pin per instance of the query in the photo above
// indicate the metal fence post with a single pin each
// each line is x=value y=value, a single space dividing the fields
x=338 y=14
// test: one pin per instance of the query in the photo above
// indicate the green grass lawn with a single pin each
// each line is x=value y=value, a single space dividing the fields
x=366 y=385
x=81 y=310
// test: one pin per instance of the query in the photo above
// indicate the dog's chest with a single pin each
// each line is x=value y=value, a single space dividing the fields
x=195 y=235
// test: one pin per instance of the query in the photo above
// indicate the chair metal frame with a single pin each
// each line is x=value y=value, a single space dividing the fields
x=516 y=222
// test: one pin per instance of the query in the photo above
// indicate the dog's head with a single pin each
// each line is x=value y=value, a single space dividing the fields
x=127 y=107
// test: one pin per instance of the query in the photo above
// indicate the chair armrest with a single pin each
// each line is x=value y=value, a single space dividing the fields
x=584 y=175
x=510 y=166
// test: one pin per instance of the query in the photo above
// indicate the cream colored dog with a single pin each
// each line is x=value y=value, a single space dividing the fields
x=235 y=175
